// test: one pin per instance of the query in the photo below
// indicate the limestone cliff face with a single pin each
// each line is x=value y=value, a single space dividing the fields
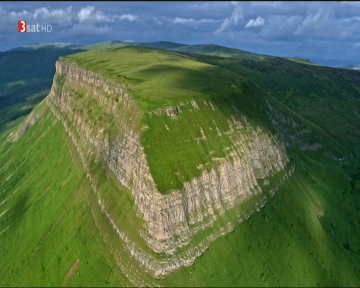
x=172 y=219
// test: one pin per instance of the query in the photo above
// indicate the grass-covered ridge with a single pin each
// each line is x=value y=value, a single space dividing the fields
x=112 y=44
x=220 y=51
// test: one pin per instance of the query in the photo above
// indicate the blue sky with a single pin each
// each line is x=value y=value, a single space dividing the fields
x=327 y=30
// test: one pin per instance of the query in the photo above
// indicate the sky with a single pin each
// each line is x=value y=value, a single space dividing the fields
x=325 y=30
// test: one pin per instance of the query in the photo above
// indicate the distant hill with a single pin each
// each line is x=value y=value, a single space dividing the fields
x=336 y=62
x=210 y=49
x=110 y=44
x=221 y=51
x=159 y=45
x=163 y=45
x=300 y=60
x=55 y=46
x=206 y=49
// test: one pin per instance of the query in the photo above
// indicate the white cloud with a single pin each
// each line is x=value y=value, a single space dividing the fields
x=17 y=15
x=259 y=21
x=43 y=15
x=88 y=14
x=183 y=20
x=280 y=27
x=157 y=20
x=233 y=20
x=60 y=16
x=266 y=4
x=129 y=17
x=13 y=17
x=191 y=20
x=322 y=24
x=350 y=3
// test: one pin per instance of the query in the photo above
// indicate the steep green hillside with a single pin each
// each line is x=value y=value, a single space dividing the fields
x=46 y=216
x=61 y=203
x=327 y=97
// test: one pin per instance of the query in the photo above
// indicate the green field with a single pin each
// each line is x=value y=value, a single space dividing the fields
x=306 y=235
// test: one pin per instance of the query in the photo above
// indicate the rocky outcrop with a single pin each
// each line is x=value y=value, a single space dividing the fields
x=289 y=129
x=171 y=220
x=33 y=117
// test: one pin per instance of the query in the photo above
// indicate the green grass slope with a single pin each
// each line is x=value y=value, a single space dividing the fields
x=46 y=217
x=287 y=243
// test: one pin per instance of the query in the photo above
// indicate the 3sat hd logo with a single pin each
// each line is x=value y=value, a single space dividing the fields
x=23 y=27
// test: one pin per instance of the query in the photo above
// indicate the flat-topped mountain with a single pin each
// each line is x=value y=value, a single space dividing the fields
x=148 y=167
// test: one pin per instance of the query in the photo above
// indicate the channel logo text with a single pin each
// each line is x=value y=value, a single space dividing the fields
x=23 y=27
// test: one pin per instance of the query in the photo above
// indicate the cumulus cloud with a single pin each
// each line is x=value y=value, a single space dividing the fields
x=128 y=17
x=191 y=20
x=259 y=21
x=280 y=27
x=233 y=20
x=296 y=27
x=12 y=17
x=183 y=20
x=350 y=3
x=89 y=14
x=323 y=24
x=157 y=20
x=59 y=16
